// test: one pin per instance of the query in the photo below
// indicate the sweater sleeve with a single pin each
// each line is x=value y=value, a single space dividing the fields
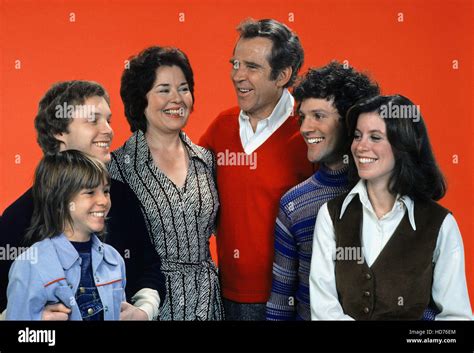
x=282 y=303
x=147 y=300
x=13 y=225
x=128 y=230
x=207 y=141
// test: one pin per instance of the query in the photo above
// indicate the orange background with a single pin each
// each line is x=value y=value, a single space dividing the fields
x=412 y=56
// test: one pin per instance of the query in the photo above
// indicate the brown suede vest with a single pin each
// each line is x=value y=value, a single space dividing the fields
x=398 y=284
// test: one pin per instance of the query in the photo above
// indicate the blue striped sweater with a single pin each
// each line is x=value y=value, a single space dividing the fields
x=289 y=298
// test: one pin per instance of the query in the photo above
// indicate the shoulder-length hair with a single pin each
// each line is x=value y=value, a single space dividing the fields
x=416 y=173
x=58 y=179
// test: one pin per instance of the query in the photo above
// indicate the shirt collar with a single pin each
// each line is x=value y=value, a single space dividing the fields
x=282 y=110
x=98 y=247
x=68 y=255
x=138 y=142
x=361 y=190
x=193 y=149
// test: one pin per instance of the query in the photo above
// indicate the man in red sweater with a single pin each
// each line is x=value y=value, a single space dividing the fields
x=260 y=155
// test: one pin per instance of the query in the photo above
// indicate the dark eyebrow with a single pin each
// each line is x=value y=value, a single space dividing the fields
x=316 y=111
x=247 y=63
x=167 y=84
x=322 y=111
x=372 y=131
x=100 y=114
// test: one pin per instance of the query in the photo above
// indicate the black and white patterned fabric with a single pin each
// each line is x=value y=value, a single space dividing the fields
x=180 y=222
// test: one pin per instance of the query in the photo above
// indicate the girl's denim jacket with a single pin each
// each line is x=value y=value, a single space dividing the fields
x=49 y=272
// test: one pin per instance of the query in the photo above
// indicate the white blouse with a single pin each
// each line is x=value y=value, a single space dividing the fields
x=449 y=290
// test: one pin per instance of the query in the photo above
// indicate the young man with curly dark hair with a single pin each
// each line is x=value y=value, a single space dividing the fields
x=324 y=96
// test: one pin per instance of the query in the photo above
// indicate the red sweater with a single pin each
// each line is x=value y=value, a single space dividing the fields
x=249 y=199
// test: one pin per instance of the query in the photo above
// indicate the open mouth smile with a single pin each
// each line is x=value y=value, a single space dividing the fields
x=314 y=140
x=366 y=160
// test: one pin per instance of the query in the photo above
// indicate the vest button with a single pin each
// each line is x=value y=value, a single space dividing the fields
x=90 y=311
x=368 y=276
x=367 y=294
x=366 y=310
x=82 y=290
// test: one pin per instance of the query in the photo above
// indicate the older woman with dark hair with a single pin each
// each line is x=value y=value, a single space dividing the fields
x=173 y=178
x=386 y=250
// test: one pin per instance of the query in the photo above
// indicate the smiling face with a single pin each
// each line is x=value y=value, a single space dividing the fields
x=89 y=133
x=322 y=130
x=371 y=150
x=257 y=94
x=88 y=210
x=169 y=101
